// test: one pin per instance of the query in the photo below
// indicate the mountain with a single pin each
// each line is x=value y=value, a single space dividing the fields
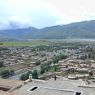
x=84 y=29
x=19 y=33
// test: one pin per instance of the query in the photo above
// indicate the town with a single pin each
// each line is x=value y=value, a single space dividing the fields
x=71 y=61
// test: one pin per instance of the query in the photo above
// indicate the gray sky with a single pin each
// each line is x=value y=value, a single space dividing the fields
x=42 y=13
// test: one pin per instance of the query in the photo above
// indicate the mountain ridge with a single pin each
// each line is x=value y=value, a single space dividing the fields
x=84 y=29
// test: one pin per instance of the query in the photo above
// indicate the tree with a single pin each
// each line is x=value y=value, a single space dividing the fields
x=25 y=76
x=5 y=73
x=35 y=74
x=38 y=63
x=11 y=72
x=43 y=68
x=59 y=57
x=1 y=64
x=55 y=68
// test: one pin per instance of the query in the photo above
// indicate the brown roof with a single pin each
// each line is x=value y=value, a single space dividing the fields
x=10 y=83
x=7 y=86
x=4 y=93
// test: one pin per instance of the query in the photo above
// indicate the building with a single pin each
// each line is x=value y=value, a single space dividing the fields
x=60 y=86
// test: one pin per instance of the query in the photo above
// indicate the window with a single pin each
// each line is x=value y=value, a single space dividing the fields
x=34 y=88
x=78 y=93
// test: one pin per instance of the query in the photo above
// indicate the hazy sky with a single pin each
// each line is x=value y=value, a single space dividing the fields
x=42 y=13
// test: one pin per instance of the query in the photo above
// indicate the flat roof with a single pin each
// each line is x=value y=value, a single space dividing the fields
x=50 y=87
x=61 y=86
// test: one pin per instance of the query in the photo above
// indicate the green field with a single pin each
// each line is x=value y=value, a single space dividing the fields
x=26 y=43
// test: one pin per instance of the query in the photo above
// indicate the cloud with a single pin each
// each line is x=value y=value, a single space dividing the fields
x=74 y=10
x=15 y=22
x=37 y=13
x=67 y=19
x=25 y=21
x=42 y=13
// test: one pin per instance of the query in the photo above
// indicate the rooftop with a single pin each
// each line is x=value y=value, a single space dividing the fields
x=60 y=86
x=7 y=86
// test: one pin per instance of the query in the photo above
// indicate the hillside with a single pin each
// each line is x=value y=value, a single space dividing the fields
x=85 y=29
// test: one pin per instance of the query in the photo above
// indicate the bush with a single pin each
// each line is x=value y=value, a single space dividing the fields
x=5 y=74
x=42 y=69
x=1 y=64
x=11 y=72
x=55 y=68
x=25 y=76
x=37 y=63
x=35 y=74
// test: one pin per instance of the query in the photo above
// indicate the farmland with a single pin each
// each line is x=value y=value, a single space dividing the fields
x=25 y=43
